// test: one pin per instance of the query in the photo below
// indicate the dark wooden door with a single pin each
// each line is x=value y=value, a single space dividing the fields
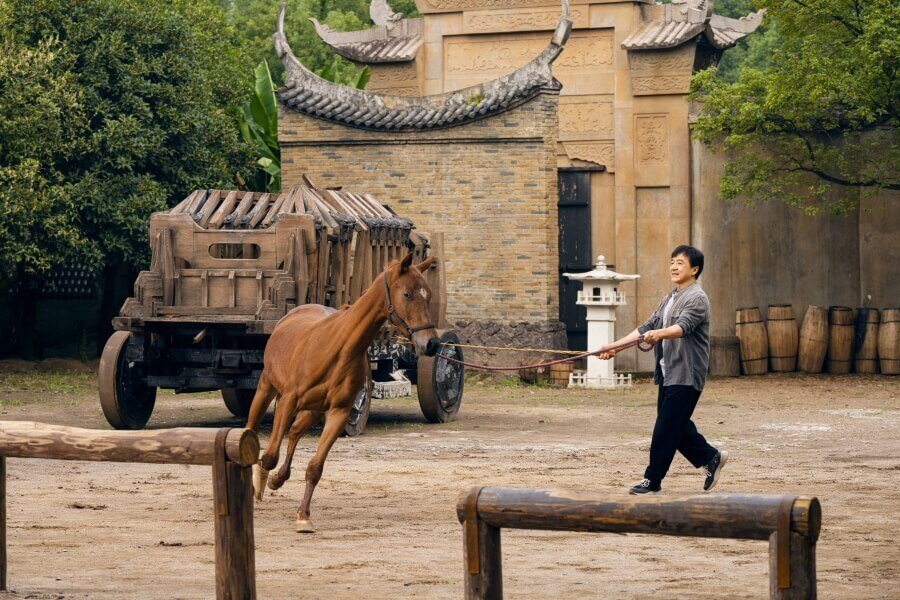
x=574 y=250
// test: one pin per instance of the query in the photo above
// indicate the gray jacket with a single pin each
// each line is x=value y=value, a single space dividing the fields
x=687 y=358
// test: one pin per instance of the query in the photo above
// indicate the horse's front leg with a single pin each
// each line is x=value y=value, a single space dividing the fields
x=335 y=421
x=284 y=413
x=303 y=421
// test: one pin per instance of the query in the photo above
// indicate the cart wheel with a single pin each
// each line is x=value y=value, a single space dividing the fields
x=126 y=401
x=238 y=401
x=440 y=383
x=359 y=414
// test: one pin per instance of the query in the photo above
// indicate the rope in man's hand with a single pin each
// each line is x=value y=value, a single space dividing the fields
x=574 y=355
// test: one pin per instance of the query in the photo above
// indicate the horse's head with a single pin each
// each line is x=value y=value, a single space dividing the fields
x=408 y=303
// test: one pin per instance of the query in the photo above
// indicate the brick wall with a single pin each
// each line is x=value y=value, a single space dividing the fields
x=488 y=185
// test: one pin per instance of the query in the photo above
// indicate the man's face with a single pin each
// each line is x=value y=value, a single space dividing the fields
x=680 y=269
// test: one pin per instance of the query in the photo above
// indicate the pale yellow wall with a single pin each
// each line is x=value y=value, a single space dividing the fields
x=770 y=253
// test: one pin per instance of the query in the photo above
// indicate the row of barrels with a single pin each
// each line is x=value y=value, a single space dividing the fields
x=832 y=339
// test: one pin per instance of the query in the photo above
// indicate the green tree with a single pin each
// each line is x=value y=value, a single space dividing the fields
x=754 y=51
x=817 y=127
x=112 y=109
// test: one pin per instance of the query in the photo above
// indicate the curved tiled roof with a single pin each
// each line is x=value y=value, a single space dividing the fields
x=306 y=92
x=674 y=24
x=381 y=44
x=660 y=34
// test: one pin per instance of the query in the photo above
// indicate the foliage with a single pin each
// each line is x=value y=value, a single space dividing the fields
x=259 y=124
x=754 y=51
x=817 y=126
x=39 y=101
x=259 y=127
x=112 y=109
x=254 y=23
x=356 y=79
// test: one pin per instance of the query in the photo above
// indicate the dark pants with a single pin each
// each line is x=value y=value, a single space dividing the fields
x=674 y=430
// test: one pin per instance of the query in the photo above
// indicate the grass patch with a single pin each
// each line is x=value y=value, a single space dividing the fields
x=53 y=382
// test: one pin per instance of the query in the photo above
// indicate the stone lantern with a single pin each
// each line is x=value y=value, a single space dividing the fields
x=600 y=293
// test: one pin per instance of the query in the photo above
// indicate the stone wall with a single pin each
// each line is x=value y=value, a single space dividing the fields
x=489 y=185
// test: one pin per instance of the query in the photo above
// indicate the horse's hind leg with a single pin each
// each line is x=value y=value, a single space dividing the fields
x=335 y=421
x=303 y=421
x=265 y=392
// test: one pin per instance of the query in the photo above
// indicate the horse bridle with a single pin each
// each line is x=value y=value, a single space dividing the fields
x=393 y=314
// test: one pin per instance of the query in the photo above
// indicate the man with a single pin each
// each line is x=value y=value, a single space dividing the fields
x=679 y=331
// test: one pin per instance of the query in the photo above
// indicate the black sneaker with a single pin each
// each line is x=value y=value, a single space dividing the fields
x=645 y=487
x=713 y=469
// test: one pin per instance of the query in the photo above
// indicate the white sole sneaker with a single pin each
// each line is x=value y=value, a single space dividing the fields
x=723 y=458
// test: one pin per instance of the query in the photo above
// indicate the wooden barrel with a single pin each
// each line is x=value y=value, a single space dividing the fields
x=840 y=339
x=865 y=340
x=754 y=345
x=724 y=356
x=889 y=341
x=559 y=374
x=784 y=338
x=813 y=340
x=534 y=374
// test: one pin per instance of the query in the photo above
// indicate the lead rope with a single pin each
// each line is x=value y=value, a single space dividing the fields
x=575 y=356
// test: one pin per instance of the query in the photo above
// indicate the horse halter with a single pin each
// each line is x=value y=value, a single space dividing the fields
x=393 y=314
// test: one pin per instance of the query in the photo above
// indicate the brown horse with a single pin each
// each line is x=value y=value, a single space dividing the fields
x=315 y=363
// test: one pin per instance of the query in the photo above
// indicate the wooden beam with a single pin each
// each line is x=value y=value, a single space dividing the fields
x=741 y=516
x=218 y=218
x=182 y=445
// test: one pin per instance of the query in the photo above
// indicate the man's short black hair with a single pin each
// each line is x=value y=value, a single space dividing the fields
x=695 y=257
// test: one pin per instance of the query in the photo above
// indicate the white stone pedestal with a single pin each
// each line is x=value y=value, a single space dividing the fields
x=600 y=294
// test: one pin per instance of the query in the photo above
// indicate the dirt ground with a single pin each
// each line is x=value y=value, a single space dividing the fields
x=385 y=509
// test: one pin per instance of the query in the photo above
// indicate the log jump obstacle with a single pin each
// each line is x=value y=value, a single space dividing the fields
x=230 y=451
x=790 y=523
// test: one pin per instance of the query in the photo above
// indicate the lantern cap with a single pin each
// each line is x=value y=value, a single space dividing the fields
x=601 y=273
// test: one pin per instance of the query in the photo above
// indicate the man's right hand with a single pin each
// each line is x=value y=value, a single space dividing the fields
x=607 y=355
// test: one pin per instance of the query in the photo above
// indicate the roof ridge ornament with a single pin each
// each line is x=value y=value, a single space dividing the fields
x=684 y=20
x=308 y=93
x=383 y=15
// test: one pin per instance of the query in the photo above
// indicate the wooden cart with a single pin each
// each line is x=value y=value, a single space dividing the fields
x=227 y=265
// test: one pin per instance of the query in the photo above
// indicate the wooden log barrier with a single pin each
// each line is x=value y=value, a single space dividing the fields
x=231 y=452
x=790 y=523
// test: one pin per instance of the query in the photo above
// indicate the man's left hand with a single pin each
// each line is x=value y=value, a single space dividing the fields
x=653 y=337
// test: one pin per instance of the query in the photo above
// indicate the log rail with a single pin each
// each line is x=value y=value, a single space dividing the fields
x=790 y=523
x=230 y=451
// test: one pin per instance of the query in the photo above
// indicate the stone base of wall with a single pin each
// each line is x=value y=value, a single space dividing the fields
x=548 y=334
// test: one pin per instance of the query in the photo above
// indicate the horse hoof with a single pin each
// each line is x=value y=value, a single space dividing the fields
x=275 y=482
x=259 y=481
x=304 y=526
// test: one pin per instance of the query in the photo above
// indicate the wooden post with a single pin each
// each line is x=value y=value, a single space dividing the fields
x=487 y=583
x=801 y=565
x=235 y=550
x=481 y=547
x=3 y=523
